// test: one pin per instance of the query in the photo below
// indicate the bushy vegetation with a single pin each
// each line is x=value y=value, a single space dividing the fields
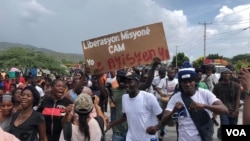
x=26 y=58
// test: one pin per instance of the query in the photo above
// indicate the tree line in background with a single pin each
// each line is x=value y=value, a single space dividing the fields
x=25 y=59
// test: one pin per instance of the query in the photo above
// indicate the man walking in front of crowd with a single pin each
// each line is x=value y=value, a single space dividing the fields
x=193 y=106
x=228 y=92
x=120 y=131
x=140 y=110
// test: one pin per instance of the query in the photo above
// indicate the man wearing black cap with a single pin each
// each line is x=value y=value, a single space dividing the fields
x=119 y=131
x=140 y=109
x=192 y=105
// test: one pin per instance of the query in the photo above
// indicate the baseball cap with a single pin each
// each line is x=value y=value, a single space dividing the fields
x=187 y=72
x=83 y=104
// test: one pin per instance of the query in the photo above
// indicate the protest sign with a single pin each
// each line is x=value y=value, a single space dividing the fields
x=127 y=48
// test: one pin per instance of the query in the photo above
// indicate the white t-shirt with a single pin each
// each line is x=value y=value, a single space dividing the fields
x=155 y=82
x=187 y=129
x=40 y=90
x=94 y=131
x=150 y=89
x=5 y=136
x=211 y=80
x=167 y=86
x=141 y=112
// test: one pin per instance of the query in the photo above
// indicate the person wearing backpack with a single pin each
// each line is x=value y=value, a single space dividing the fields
x=193 y=109
x=85 y=128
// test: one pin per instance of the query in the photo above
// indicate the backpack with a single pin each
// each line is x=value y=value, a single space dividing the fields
x=67 y=129
x=101 y=124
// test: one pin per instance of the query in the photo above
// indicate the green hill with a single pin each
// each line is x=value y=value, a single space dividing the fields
x=69 y=57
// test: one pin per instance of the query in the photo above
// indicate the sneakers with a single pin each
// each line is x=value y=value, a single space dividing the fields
x=161 y=133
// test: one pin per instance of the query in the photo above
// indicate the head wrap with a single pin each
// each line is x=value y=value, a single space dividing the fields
x=6 y=97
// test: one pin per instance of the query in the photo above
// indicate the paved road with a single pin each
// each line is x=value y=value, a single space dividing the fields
x=171 y=132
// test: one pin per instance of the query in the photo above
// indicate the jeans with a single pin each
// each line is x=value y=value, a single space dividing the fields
x=119 y=136
x=226 y=120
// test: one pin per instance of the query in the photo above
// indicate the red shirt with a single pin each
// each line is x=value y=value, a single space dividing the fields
x=7 y=86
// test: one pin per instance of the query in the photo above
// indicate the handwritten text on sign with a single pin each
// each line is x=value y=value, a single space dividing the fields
x=126 y=48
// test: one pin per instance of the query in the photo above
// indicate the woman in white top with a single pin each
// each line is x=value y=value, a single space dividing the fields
x=85 y=128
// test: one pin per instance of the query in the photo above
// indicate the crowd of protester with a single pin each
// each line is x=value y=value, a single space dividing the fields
x=143 y=103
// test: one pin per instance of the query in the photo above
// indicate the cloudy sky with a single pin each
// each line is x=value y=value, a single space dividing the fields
x=61 y=25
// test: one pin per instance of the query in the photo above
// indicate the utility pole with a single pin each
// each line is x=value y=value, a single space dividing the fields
x=205 y=29
x=176 y=57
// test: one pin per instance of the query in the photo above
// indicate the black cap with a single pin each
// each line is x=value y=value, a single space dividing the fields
x=121 y=73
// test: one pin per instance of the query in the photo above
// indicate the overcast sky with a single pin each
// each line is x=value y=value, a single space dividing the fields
x=61 y=25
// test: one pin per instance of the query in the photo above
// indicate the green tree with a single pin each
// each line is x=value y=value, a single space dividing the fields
x=180 y=59
x=240 y=64
x=198 y=62
x=242 y=57
x=64 y=61
x=25 y=58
